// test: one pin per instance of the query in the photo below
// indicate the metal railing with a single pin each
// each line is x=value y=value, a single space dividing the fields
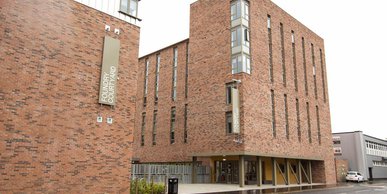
x=159 y=173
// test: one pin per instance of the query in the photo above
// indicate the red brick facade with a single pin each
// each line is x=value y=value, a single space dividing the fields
x=50 y=59
x=342 y=167
x=209 y=70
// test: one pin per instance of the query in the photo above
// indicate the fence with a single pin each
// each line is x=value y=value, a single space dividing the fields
x=159 y=173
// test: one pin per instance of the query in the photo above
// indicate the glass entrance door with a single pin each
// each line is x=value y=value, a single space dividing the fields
x=250 y=172
x=227 y=172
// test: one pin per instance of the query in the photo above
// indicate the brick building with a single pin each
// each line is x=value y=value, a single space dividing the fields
x=246 y=94
x=56 y=136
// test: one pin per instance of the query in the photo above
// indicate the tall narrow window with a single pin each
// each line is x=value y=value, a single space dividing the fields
x=229 y=122
x=246 y=37
x=283 y=54
x=236 y=35
x=174 y=74
x=294 y=62
x=154 y=127
x=286 y=116
x=235 y=10
x=186 y=70
x=157 y=77
x=246 y=10
x=240 y=37
x=229 y=86
x=298 y=120
x=309 y=127
x=322 y=75
x=318 y=125
x=143 y=130
x=185 y=123
x=146 y=81
x=273 y=113
x=314 y=71
x=270 y=48
x=304 y=62
x=173 y=122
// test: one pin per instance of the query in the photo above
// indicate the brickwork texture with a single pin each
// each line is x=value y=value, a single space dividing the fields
x=209 y=70
x=50 y=66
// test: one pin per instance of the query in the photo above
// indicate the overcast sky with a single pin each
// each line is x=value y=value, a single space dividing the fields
x=355 y=34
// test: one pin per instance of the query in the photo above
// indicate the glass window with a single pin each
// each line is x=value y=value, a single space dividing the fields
x=229 y=86
x=124 y=6
x=246 y=10
x=154 y=127
x=173 y=119
x=133 y=8
x=235 y=10
x=236 y=64
x=236 y=37
x=292 y=36
x=246 y=35
x=157 y=78
x=185 y=123
x=143 y=130
x=268 y=21
x=174 y=76
x=229 y=122
x=129 y=7
x=246 y=64
x=240 y=63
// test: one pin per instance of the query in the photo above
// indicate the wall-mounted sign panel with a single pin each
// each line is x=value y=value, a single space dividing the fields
x=235 y=110
x=108 y=85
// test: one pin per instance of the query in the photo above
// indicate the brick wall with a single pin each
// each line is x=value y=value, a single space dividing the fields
x=342 y=167
x=50 y=141
x=163 y=151
x=210 y=70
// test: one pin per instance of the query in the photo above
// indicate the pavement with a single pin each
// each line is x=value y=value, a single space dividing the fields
x=224 y=188
x=376 y=187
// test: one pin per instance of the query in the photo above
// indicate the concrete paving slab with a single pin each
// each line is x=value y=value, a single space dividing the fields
x=216 y=188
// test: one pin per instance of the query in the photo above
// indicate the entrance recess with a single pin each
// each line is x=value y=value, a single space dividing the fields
x=227 y=172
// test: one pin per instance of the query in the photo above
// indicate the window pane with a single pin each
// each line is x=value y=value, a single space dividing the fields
x=233 y=38
x=133 y=8
x=124 y=6
x=238 y=43
x=235 y=10
x=246 y=10
x=238 y=11
x=229 y=122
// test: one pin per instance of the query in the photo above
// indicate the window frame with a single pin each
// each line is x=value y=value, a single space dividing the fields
x=127 y=10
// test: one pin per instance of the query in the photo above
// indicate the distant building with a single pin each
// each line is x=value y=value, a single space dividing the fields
x=365 y=154
x=246 y=95
x=60 y=132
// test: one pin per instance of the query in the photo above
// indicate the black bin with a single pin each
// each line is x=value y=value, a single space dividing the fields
x=173 y=185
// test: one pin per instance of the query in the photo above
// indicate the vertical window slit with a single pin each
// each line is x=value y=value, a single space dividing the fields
x=309 y=127
x=286 y=116
x=304 y=63
x=173 y=122
x=273 y=113
x=294 y=62
x=298 y=120
x=270 y=49
x=318 y=125
x=283 y=54
x=322 y=75
x=314 y=72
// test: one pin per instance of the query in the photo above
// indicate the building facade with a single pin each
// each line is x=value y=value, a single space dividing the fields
x=60 y=132
x=365 y=154
x=246 y=94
